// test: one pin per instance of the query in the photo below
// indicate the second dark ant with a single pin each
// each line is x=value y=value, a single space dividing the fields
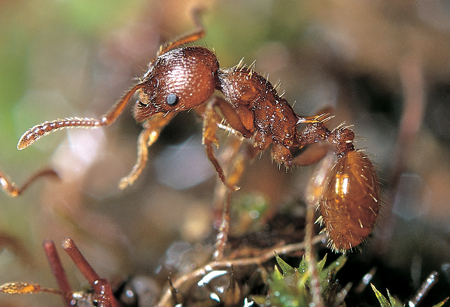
x=102 y=295
x=185 y=78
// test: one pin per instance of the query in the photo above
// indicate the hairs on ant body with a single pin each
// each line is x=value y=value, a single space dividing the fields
x=184 y=78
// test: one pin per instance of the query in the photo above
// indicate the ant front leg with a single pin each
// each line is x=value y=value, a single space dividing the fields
x=12 y=190
x=151 y=132
x=211 y=122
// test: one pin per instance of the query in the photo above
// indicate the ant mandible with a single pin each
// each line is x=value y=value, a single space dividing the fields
x=182 y=78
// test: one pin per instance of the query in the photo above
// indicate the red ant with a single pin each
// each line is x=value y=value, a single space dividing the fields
x=184 y=78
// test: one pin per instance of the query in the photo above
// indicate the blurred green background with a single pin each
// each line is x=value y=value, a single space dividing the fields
x=373 y=62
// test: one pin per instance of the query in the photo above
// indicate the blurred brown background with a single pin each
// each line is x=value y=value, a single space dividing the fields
x=383 y=65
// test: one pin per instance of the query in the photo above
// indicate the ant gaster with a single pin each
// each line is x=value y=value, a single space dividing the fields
x=184 y=78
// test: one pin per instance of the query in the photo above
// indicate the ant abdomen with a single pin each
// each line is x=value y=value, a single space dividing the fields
x=178 y=80
x=351 y=201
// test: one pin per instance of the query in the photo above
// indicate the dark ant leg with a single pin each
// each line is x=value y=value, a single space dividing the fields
x=100 y=285
x=102 y=295
x=58 y=271
x=13 y=191
x=151 y=132
x=35 y=133
x=198 y=33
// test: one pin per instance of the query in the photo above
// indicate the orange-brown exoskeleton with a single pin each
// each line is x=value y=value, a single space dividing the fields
x=185 y=78
x=349 y=205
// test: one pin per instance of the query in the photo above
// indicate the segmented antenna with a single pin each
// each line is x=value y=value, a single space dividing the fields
x=38 y=131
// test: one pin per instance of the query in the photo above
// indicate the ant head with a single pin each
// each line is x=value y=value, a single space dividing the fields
x=177 y=80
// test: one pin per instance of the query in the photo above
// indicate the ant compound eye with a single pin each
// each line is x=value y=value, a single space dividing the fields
x=172 y=99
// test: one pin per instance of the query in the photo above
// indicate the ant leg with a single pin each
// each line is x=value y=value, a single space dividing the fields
x=13 y=191
x=211 y=123
x=35 y=133
x=210 y=138
x=101 y=286
x=148 y=136
x=198 y=33
x=58 y=270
